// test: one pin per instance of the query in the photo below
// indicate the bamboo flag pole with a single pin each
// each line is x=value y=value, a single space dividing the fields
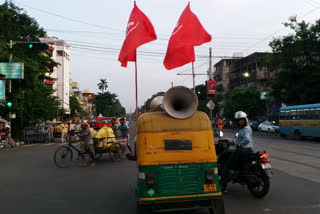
x=136 y=77
x=193 y=78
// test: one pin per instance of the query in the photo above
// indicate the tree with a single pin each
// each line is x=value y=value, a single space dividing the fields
x=33 y=101
x=103 y=85
x=108 y=105
x=244 y=99
x=201 y=91
x=298 y=57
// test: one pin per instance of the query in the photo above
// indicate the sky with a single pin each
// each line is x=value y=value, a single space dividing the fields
x=95 y=30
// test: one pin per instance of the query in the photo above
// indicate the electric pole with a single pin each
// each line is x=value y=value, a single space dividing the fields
x=210 y=63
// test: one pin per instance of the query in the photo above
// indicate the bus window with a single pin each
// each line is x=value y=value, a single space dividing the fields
x=287 y=115
x=317 y=114
x=293 y=114
x=300 y=114
x=282 y=115
x=309 y=114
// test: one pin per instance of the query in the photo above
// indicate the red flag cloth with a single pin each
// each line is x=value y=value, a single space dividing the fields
x=139 y=31
x=187 y=34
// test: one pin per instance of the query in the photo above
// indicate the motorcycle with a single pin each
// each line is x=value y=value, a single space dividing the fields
x=5 y=140
x=253 y=170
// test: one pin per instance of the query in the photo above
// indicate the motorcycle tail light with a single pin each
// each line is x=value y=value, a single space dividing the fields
x=150 y=180
x=265 y=155
x=209 y=176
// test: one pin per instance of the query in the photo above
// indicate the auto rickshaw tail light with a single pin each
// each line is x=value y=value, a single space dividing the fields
x=150 y=180
x=265 y=155
x=209 y=176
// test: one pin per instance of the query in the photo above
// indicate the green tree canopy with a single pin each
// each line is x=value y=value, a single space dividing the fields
x=244 y=99
x=108 y=105
x=32 y=99
x=297 y=55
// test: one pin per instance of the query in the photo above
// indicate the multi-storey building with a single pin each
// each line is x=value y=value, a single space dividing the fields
x=61 y=74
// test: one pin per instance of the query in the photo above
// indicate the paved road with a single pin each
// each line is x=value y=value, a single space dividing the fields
x=31 y=183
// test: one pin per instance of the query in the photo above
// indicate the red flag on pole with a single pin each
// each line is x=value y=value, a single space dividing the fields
x=139 y=31
x=187 y=34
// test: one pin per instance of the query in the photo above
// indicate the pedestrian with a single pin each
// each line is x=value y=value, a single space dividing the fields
x=124 y=133
x=114 y=127
x=64 y=131
x=86 y=142
x=220 y=124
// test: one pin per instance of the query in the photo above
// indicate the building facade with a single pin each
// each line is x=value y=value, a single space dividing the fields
x=249 y=71
x=221 y=73
x=61 y=74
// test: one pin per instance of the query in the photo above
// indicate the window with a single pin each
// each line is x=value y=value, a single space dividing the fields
x=104 y=121
x=60 y=53
x=176 y=145
x=282 y=115
x=301 y=114
x=293 y=114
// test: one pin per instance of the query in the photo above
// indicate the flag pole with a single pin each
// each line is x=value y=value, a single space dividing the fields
x=136 y=77
x=193 y=78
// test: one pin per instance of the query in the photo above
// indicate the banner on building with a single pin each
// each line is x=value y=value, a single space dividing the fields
x=2 y=90
x=211 y=86
x=265 y=95
x=12 y=70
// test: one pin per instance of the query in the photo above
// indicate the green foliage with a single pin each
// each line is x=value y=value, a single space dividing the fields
x=75 y=108
x=103 y=85
x=108 y=105
x=244 y=99
x=32 y=99
x=298 y=57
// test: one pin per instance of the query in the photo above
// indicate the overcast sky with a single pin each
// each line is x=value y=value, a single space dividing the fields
x=236 y=26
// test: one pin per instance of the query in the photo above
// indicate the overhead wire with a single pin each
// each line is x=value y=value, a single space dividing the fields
x=277 y=31
x=67 y=18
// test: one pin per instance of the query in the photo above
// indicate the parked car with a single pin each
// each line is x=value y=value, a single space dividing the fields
x=254 y=124
x=92 y=122
x=268 y=127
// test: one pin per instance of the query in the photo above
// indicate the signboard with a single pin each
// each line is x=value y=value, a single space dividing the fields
x=2 y=90
x=265 y=95
x=211 y=105
x=12 y=70
x=211 y=87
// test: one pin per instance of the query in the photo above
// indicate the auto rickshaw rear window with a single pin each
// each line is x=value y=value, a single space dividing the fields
x=174 y=145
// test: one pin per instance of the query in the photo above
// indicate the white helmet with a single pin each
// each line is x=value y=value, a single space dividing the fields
x=240 y=115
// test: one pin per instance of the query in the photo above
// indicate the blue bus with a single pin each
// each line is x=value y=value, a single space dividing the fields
x=300 y=121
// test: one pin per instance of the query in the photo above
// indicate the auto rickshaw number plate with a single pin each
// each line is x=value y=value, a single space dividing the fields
x=210 y=187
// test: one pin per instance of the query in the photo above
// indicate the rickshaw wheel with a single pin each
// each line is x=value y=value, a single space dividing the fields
x=115 y=152
x=63 y=156
x=98 y=154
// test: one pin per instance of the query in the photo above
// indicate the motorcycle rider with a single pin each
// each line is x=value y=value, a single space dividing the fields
x=243 y=142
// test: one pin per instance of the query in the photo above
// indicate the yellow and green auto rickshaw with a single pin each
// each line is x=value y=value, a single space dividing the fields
x=176 y=157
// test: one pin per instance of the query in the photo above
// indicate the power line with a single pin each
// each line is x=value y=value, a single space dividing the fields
x=253 y=45
x=67 y=18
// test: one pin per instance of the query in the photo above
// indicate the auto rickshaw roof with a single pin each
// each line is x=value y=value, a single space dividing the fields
x=161 y=122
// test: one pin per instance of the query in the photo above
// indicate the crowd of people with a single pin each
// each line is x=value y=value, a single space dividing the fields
x=119 y=127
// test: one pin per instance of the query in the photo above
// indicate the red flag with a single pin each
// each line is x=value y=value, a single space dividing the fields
x=139 y=31
x=187 y=34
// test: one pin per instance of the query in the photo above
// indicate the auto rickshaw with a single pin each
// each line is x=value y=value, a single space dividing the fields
x=176 y=157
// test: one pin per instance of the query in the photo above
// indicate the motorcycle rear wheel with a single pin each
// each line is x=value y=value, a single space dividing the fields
x=261 y=188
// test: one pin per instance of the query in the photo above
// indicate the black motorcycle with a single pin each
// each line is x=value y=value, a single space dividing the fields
x=252 y=170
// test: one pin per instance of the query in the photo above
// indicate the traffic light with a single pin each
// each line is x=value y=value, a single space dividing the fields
x=92 y=116
x=30 y=45
x=9 y=104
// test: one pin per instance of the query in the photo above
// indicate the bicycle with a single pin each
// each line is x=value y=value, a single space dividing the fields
x=118 y=149
x=64 y=154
